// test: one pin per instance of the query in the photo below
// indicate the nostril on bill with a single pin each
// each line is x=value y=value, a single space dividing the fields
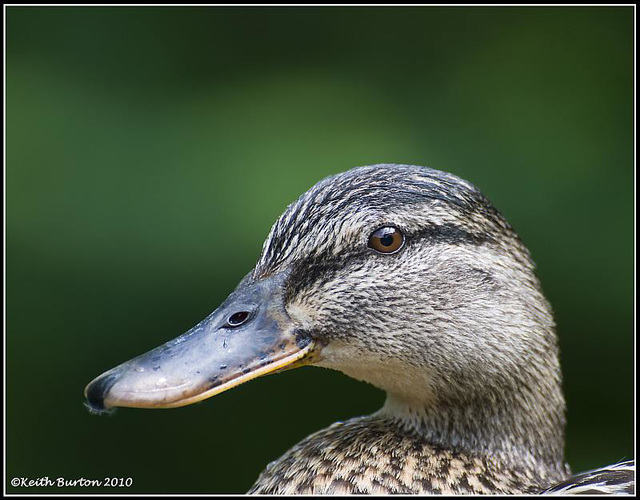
x=238 y=318
x=97 y=391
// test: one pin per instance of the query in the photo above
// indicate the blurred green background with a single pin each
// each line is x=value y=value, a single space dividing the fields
x=150 y=149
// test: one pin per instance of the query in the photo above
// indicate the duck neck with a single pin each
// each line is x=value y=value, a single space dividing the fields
x=517 y=431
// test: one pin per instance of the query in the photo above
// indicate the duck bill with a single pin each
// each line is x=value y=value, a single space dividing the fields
x=248 y=336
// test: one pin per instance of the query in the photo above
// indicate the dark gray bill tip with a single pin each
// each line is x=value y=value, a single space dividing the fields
x=97 y=391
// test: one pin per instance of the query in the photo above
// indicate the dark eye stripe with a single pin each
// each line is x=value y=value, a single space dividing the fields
x=322 y=267
x=452 y=235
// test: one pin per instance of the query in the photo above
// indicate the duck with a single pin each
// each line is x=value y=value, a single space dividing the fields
x=408 y=278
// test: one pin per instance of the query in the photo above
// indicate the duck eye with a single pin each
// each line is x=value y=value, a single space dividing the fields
x=386 y=240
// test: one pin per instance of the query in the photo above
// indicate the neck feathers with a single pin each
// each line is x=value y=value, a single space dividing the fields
x=523 y=424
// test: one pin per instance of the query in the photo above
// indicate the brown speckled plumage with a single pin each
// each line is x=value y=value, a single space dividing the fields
x=369 y=455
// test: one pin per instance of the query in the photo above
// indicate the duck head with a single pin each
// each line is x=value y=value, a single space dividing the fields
x=402 y=276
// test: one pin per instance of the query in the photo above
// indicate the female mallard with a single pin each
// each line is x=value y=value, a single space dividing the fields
x=407 y=278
